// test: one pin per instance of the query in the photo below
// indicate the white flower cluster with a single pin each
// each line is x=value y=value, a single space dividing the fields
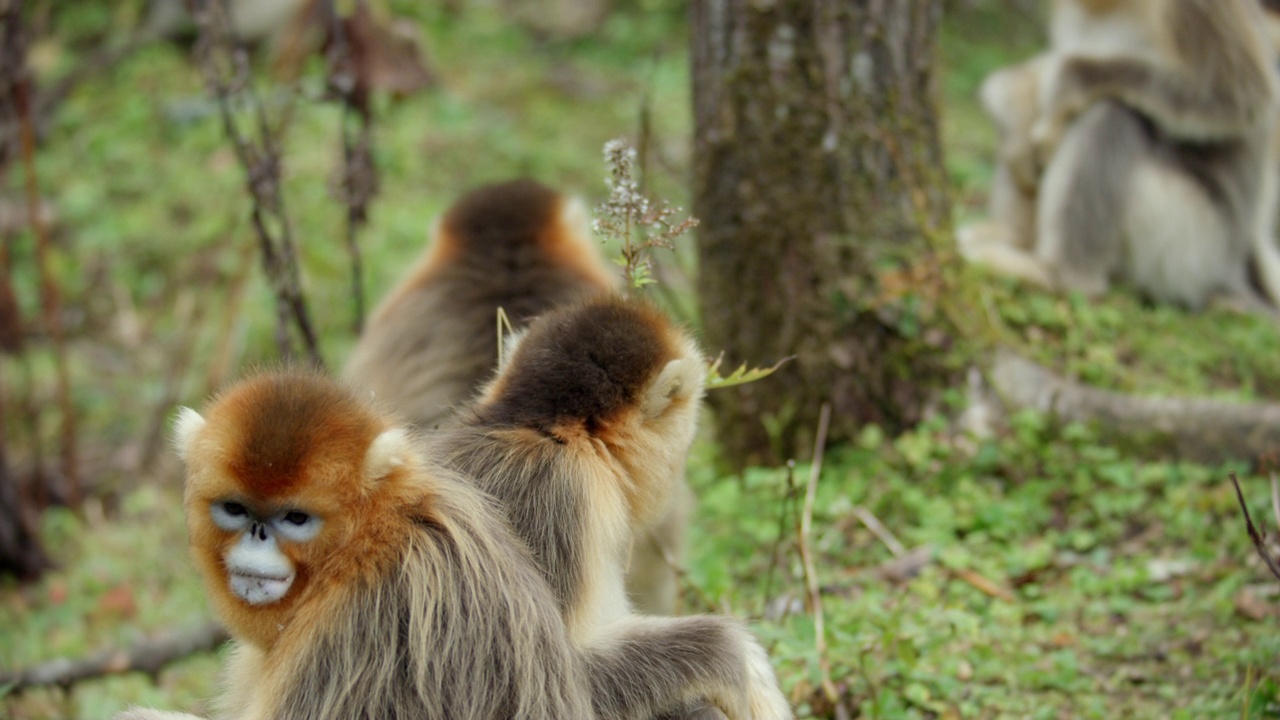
x=627 y=212
x=625 y=206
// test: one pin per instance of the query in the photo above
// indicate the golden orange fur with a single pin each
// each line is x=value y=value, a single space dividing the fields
x=368 y=581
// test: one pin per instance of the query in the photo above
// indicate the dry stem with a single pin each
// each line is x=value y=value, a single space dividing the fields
x=1259 y=538
x=880 y=531
x=1275 y=498
x=359 y=180
x=813 y=593
x=50 y=298
x=225 y=64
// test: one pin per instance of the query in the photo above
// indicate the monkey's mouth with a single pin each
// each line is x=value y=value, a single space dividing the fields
x=260 y=589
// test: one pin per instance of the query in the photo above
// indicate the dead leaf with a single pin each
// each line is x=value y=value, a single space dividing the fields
x=1255 y=603
x=118 y=602
x=58 y=592
x=383 y=57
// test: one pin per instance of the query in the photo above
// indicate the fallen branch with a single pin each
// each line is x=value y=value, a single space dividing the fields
x=149 y=655
x=1275 y=498
x=1259 y=538
x=983 y=585
x=881 y=532
x=1200 y=429
x=907 y=566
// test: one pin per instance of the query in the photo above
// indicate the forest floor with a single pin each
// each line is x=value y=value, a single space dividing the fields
x=1045 y=571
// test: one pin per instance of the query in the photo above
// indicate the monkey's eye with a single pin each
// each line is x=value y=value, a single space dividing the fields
x=296 y=518
x=297 y=526
x=234 y=509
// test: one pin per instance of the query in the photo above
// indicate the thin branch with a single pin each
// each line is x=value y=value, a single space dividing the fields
x=50 y=298
x=224 y=62
x=1275 y=498
x=225 y=345
x=191 y=313
x=813 y=594
x=983 y=585
x=359 y=179
x=1259 y=538
x=149 y=655
x=775 y=556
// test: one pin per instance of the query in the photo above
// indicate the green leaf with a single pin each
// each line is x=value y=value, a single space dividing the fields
x=741 y=376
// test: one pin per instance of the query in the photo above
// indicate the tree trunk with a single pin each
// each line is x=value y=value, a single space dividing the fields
x=821 y=195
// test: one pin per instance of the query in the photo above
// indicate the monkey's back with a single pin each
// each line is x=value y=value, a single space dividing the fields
x=519 y=246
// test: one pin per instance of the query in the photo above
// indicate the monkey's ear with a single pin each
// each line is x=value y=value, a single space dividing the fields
x=681 y=379
x=574 y=214
x=185 y=426
x=509 y=345
x=435 y=230
x=388 y=451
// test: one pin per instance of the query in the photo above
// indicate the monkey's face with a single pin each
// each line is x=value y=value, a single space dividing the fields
x=258 y=569
x=278 y=480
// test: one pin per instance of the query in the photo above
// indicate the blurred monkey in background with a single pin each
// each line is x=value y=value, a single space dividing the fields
x=1155 y=124
x=432 y=341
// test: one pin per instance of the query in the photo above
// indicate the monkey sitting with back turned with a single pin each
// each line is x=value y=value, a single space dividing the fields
x=525 y=248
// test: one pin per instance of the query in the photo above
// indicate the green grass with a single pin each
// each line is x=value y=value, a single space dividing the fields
x=1127 y=580
x=1123 y=578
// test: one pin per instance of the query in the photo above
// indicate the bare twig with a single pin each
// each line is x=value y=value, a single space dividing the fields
x=880 y=531
x=149 y=655
x=1259 y=538
x=359 y=180
x=191 y=313
x=21 y=552
x=775 y=557
x=813 y=593
x=983 y=585
x=1275 y=498
x=225 y=64
x=225 y=346
x=50 y=298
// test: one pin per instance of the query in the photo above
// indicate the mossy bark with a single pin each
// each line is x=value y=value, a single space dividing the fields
x=820 y=190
